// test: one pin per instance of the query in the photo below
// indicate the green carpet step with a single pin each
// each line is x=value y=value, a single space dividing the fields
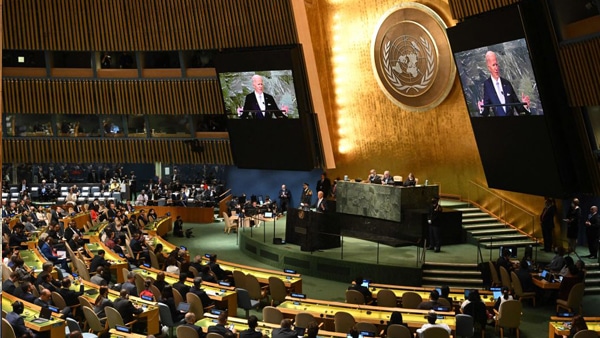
x=463 y=273
x=498 y=244
x=483 y=226
x=469 y=215
x=592 y=290
x=450 y=264
x=514 y=236
x=468 y=210
x=491 y=232
x=446 y=280
x=479 y=220
x=454 y=204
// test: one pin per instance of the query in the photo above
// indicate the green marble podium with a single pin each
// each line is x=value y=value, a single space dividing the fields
x=382 y=201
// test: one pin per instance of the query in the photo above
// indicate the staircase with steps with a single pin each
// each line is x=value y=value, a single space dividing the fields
x=455 y=275
x=488 y=232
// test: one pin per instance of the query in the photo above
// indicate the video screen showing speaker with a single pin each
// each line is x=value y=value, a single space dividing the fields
x=270 y=118
x=510 y=90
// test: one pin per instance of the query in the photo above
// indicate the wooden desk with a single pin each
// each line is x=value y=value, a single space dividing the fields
x=168 y=247
x=457 y=295
x=545 y=285
x=150 y=314
x=93 y=235
x=324 y=311
x=159 y=227
x=241 y=324
x=117 y=334
x=55 y=326
x=557 y=327
x=293 y=282
x=116 y=262
x=80 y=219
x=225 y=296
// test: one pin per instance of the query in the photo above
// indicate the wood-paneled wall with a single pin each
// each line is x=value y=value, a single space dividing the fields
x=89 y=96
x=462 y=9
x=142 y=25
x=581 y=71
x=114 y=151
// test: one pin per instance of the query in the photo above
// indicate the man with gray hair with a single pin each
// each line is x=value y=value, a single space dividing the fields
x=260 y=105
x=591 y=229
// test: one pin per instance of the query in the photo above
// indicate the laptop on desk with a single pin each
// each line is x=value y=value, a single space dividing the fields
x=45 y=314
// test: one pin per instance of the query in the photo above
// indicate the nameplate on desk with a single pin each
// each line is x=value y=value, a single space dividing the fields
x=289 y=271
x=298 y=295
x=224 y=283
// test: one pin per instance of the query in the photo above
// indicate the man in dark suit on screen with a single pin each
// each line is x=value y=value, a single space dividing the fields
x=259 y=104
x=499 y=91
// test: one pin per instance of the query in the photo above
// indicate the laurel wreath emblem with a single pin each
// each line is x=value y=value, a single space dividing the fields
x=395 y=81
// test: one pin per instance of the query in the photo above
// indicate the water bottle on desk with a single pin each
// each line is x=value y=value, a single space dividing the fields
x=426 y=182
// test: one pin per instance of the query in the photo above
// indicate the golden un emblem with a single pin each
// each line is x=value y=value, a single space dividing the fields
x=411 y=57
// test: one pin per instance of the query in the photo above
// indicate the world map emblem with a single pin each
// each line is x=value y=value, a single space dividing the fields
x=411 y=57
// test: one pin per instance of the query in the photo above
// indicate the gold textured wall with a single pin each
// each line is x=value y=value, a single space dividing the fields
x=369 y=131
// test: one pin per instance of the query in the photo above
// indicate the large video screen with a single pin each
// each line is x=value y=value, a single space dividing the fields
x=259 y=94
x=270 y=119
x=512 y=95
x=498 y=80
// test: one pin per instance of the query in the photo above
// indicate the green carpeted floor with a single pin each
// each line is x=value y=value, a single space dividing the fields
x=209 y=238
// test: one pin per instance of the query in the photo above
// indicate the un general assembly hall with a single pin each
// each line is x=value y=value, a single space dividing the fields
x=300 y=168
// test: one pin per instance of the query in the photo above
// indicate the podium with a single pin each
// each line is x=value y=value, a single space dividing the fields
x=312 y=230
x=262 y=114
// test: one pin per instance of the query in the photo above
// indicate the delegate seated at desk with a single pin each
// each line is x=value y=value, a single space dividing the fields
x=373 y=177
x=431 y=318
x=410 y=181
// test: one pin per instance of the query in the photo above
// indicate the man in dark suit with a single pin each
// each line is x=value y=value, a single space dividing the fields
x=180 y=285
x=306 y=196
x=197 y=290
x=98 y=260
x=433 y=220
x=190 y=320
x=362 y=289
x=9 y=285
x=70 y=296
x=592 y=226
x=497 y=90
x=260 y=105
x=547 y=220
x=24 y=292
x=125 y=307
x=284 y=198
x=220 y=327
x=285 y=331
x=324 y=184
x=321 y=202
x=251 y=331
x=16 y=321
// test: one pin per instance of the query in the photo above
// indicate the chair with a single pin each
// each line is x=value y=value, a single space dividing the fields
x=213 y=335
x=239 y=278
x=245 y=302
x=93 y=321
x=435 y=332
x=398 y=331
x=343 y=321
x=74 y=326
x=124 y=273
x=165 y=317
x=7 y=329
x=586 y=334
x=386 y=298
x=303 y=319
x=509 y=316
x=60 y=303
x=140 y=284
x=368 y=327
x=272 y=315
x=518 y=289
x=494 y=274
x=196 y=306
x=444 y=302
x=574 y=300
x=6 y=271
x=505 y=278
x=193 y=270
x=354 y=297
x=254 y=289
x=411 y=300
x=177 y=297
x=229 y=224
x=464 y=326
x=156 y=292
x=113 y=318
x=154 y=260
x=277 y=290
x=187 y=332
